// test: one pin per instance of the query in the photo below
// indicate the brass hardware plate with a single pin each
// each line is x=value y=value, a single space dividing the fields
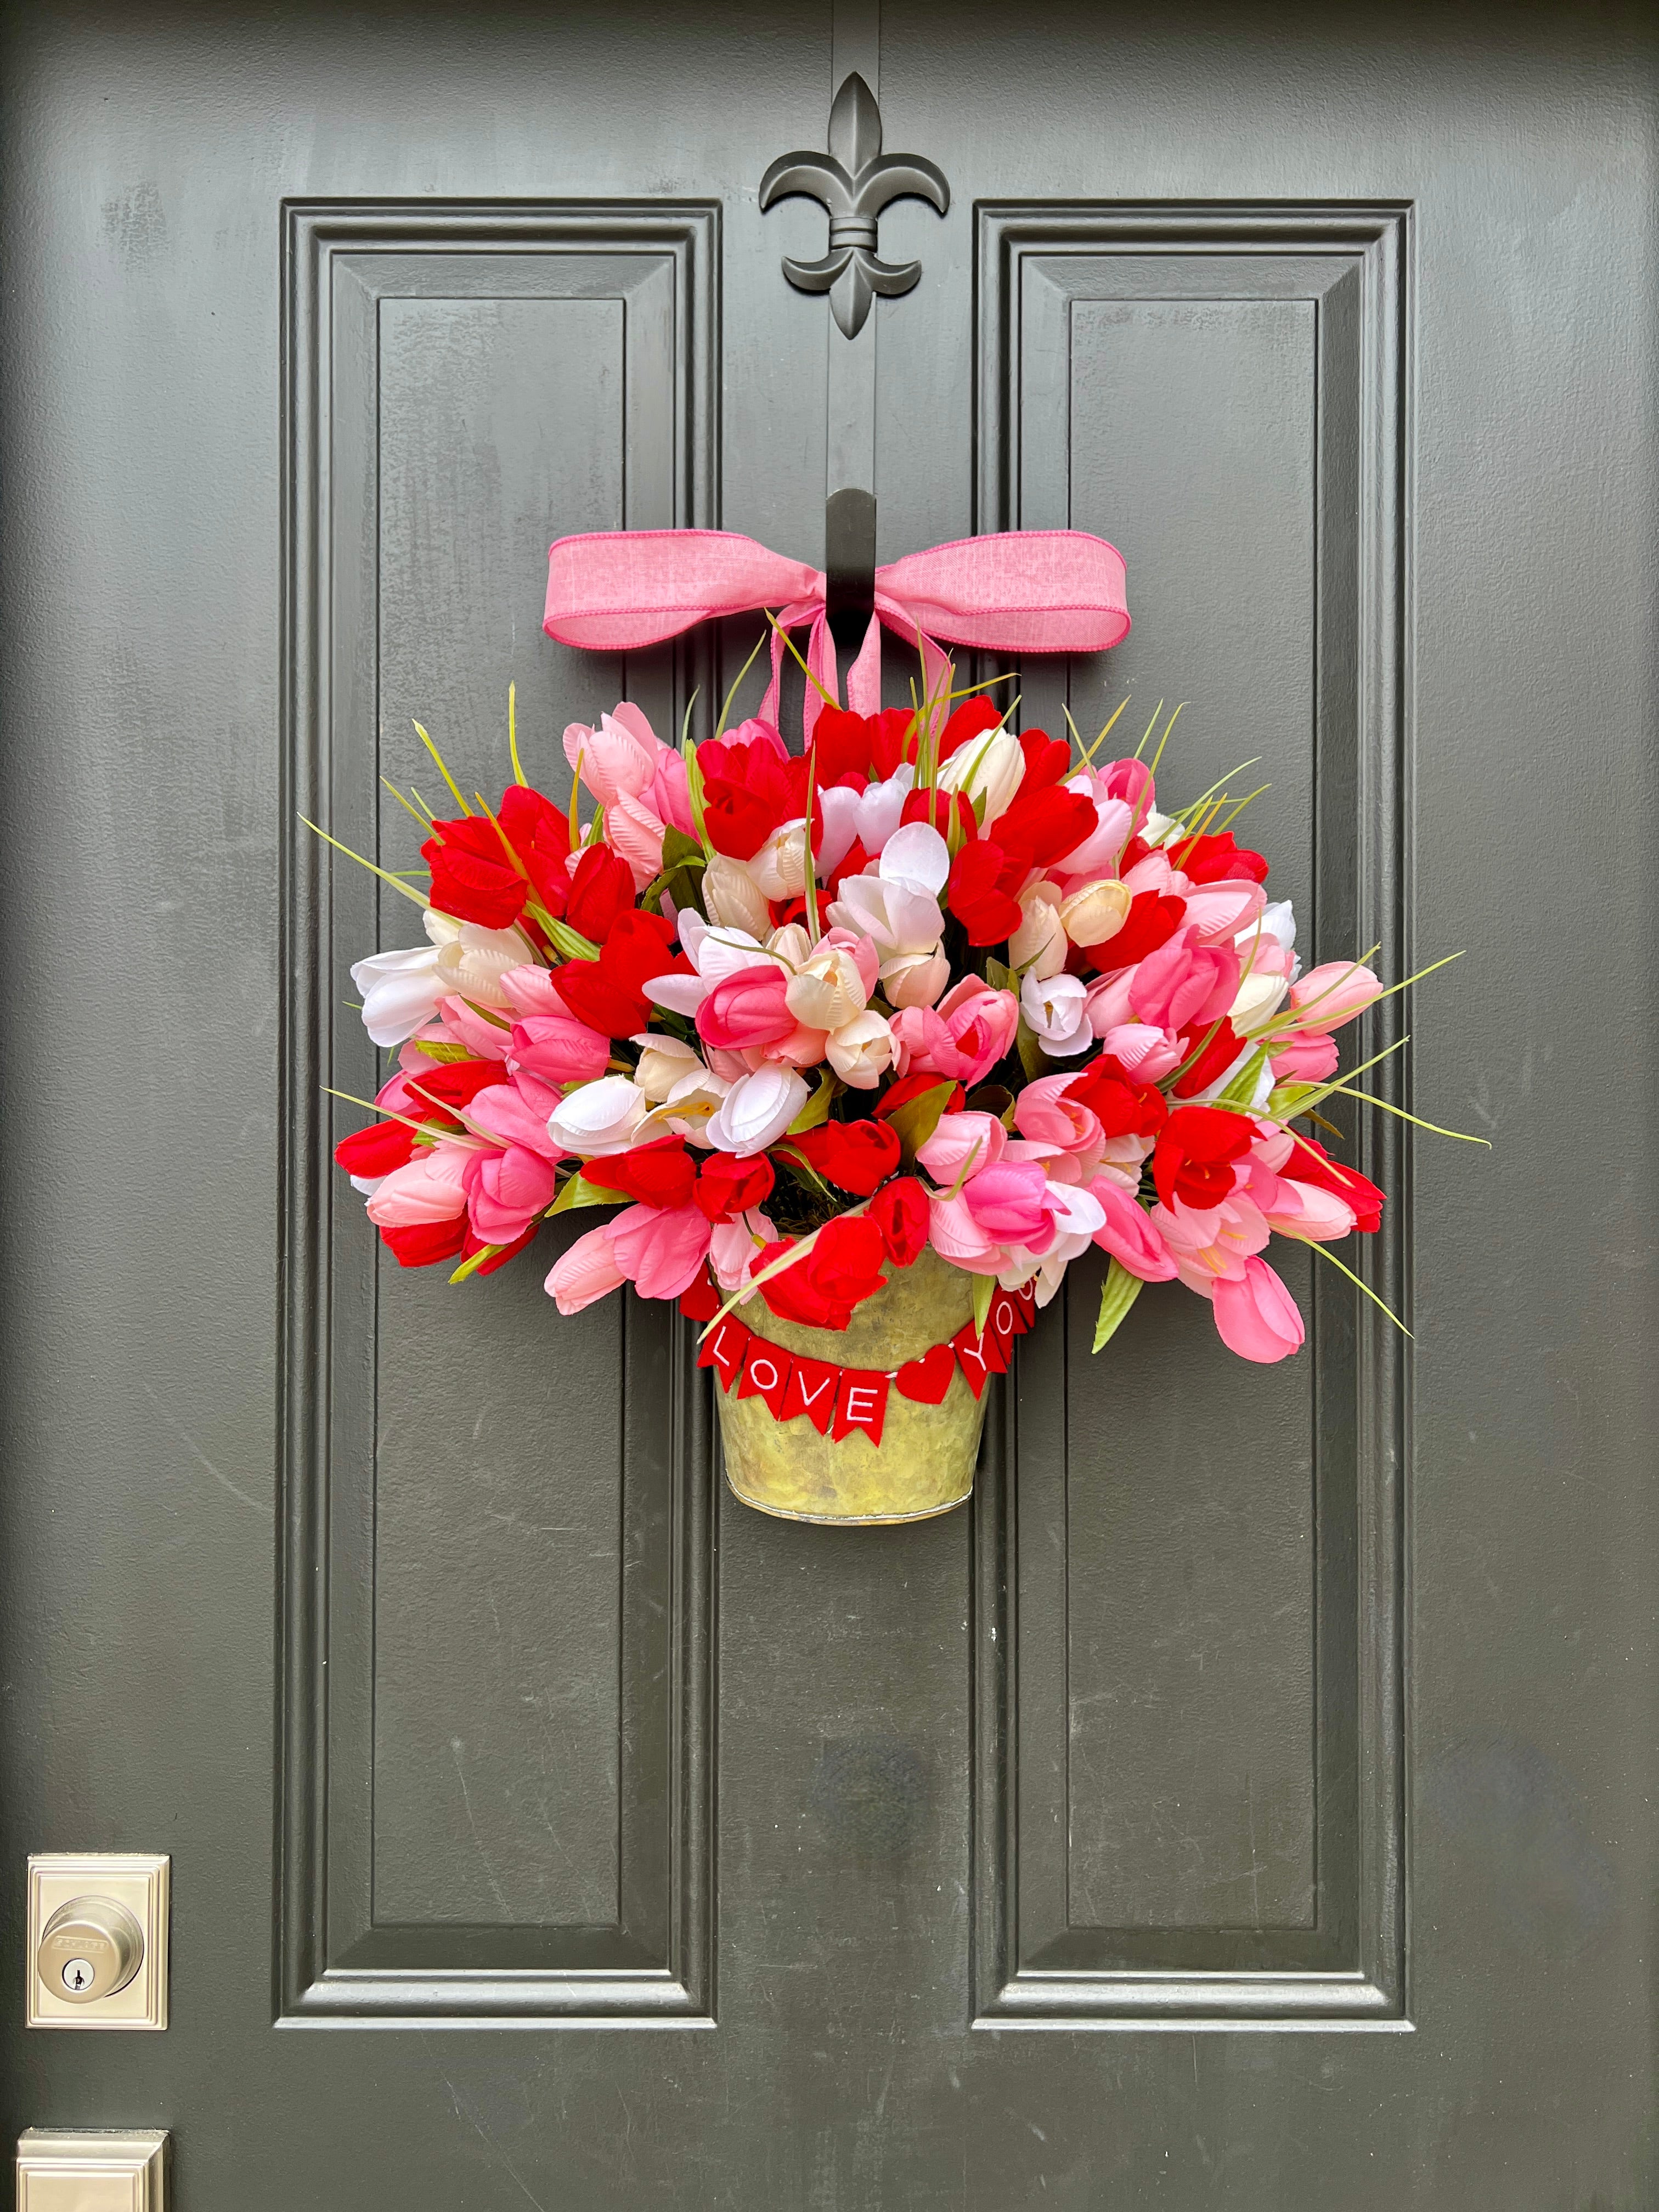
x=87 y=1913
x=92 y=2172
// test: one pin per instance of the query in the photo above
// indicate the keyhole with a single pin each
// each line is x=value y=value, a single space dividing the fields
x=77 y=1973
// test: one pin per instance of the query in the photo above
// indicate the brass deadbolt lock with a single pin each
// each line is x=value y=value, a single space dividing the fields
x=89 y=1948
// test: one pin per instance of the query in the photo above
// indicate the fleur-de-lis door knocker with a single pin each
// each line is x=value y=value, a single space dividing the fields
x=855 y=181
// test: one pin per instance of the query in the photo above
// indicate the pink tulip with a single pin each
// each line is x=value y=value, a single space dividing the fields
x=1212 y=1246
x=619 y=758
x=634 y=832
x=803 y=1047
x=1305 y=1059
x=956 y=1236
x=962 y=1144
x=1008 y=1203
x=1148 y=1054
x=1301 y=1209
x=529 y=990
x=747 y=1008
x=964 y=1036
x=1108 y=1001
x=518 y=1114
x=1129 y=1235
x=1333 y=995
x=733 y=1247
x=1098 y=852
x=507 y=1191
x=1130 y=780
x=486 y=1040
x=659 y=1250
x=1184 y=982
x=1048 y=1116
x=558 y=1047
x=1256 y=1315
x=667 y=794
x=429 y=1187
x=587 y=1271
x=1219 y=911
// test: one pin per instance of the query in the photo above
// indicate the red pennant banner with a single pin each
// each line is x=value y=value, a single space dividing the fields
x=766 y=1373
x=724 y=1349
x=811 y=1388
x=838 y=1400
x=970 y=1357
x=860 y=1403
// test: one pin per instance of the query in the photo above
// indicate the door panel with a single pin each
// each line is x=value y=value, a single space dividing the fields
x=1190 y=1690
x=984 y=1863
x=495 y=1718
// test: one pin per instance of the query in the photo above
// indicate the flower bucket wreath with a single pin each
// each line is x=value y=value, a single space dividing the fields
x=857 y=1099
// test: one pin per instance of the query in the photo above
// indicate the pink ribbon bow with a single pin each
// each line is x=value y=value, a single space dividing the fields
x=1017 y=591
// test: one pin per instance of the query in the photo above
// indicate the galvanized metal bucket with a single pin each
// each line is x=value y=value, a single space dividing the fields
x=924 y=1463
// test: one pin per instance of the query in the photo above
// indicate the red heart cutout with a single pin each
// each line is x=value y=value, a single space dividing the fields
x=927 y=1379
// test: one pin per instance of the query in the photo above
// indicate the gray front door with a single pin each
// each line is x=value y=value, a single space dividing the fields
x=1246 y=1802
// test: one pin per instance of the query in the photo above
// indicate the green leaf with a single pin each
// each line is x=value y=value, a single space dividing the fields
x=570 y=942
x=577 y=1191
x=916 y=1121
x=816 y=1111
x=1287 y=1100
x=984 y=1291
x=437 y=1049
x=1118 y=1293
x=677 y=848
x=1032 y=1057
x=1240 y=1091
x=476 y=1261
x=991 y=1098
x=683 y=882
x=1001 y=977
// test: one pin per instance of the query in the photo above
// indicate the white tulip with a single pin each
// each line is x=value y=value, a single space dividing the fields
x=877 y=814
x=598 y=1117
x=1055 y=1009
x=988 y=770
x=403 y=991
x=757 y=1110
x=917 y=859
x=688 y=1109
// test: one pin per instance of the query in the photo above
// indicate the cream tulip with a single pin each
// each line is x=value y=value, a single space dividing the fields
x=828 y=991
x=734 y=898
x=989 y=771
x=915 y=978
x=1259 y=996
x=780 y=866
x=1039 y=945
x=1095 y=911
x=861 y=1051
x=663 y=1061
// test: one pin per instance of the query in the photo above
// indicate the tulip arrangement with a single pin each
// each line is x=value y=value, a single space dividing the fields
x=787 y=1019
